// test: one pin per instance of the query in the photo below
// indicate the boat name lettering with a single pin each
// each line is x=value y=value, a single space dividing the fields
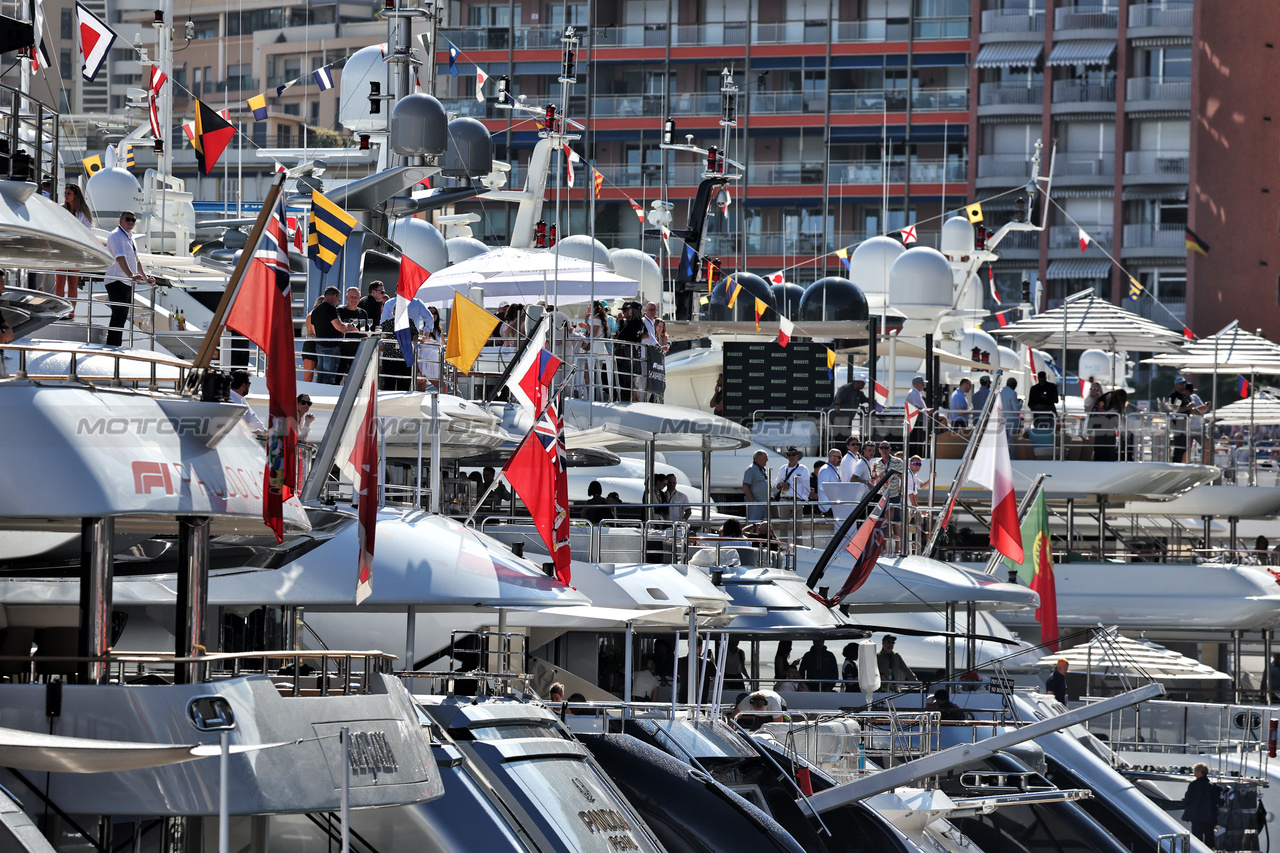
x=176 y=478
x=605 y=820
x=371 y=751
x=583 y=790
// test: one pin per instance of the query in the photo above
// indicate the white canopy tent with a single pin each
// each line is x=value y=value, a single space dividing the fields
x=528 y=276
x=1088 y=323
x=1232 y=350
x=1113 y=654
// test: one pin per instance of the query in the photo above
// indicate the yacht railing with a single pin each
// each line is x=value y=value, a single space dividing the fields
x=28 y=138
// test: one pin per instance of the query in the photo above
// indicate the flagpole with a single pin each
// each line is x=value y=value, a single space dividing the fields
x=211 y=336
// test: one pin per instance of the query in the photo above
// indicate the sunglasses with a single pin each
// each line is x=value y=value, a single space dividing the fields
x=304 y=402
x=128 y=219
x=915 y=464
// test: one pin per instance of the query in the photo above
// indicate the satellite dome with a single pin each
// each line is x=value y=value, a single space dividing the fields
x=584 y=248
x=957 y=238
x=834 y=298
x=110 y=192
x=787 y=298
x=1009 y=359
x=973 y=295
x=464 y=248
x=419 y=127
x=1105 y=367
x=871 y=261
x=420 y=240
x=470 y=152
x=635 y=264
x=363 y=67
x=920 y=282
x=753 y=287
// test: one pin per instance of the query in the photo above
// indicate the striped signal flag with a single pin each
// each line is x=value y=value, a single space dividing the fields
x=327 y=231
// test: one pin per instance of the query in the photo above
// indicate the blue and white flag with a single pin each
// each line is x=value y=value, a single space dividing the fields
x=323 y=78
x=453 y=59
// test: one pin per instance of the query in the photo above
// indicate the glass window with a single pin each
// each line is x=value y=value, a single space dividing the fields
x=66 y=25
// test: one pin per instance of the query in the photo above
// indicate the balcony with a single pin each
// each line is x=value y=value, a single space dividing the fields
x=728 y=33
x=896 y=100
x=1164 y=91
x=1004 y=166
x=1005 y=94
x=1013 y=21
x=790 y=32
x=1018 y=245
x=880 y=29
x=1172 y=14
x=1085 y=18
x=1164 y=235
x=1169 y=311
x=1080 y=92
x=1157 y=166
x=237 y=84
x=941 y=29
x=1081 y=166
x=1068 y=236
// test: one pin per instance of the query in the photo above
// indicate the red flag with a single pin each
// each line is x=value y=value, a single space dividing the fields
x=96 y=39
x=1085 y=240
x=1002 y=319
x=411 y=278
x=211 y=137
x=1242 y=385
x=638 y=209
x=1186 y=333
x=991 y=283
x=882 y=394
x=865 y=547
x=992 y=468
x=910 y=413
x=529 y=383
x=364 y=457
x=537 y=473
x=785 y=328
x=263 y=313
x=598 y=180
x=153 y=92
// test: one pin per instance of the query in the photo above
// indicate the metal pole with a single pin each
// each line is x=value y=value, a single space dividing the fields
x=1071 y=523
x=1236 y=637
x=224 y=815
x=627 y=663
x=435 y=453
x=345 y=737
x=1267 y=686
x=193 y=595
x=970 y=643
x=1102 y=526
x=692 y=683
x=706 y=478
x=410 y=637
x=96 y=550
x=951 y=636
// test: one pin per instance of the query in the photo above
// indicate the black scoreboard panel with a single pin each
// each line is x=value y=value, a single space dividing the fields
x=761 y=375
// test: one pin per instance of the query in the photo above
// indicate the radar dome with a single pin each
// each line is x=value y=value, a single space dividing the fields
x=464 y=248
x=585 y=248
x=1104 y=367
x=110 y=192
x=973 y=295
x=419 y=127
x=753 y=287
x=834 y=298
x=871 y=261
x=421 y=241
x=957 y=238
x=1009 y=359
x=635 y=264
x=787 y=298
x=363 y=67
x=920 y=283
x=470 y=152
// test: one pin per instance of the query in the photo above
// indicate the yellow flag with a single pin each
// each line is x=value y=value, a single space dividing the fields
x=92 y=164
x=760 y=306
x=831 y=359
x=733 y=289
x=469 y=329
x=975 y=213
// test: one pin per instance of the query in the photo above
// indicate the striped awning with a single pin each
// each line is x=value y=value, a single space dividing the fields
x=1079 y=268
x=1005 y=54
x=1169 y=192
x=1083 y=52
x=1089 y=322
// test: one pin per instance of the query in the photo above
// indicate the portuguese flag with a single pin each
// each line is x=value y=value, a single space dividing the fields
x=1036 y=569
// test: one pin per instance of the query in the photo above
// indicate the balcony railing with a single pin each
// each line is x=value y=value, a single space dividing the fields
x=1159 y=311
x=1084 y=164
x=1013 y=21
x=1174 y=164
x=1085 y=18
x=873 y=30
x=1078 y=92
x=1168 y=13
x=1159 y=89
x=1004 y=166
x=941 y=28
x=895 y=100
x=1068 y=236
x=1155 y=236
x=1010 y=94
x=1019 y=241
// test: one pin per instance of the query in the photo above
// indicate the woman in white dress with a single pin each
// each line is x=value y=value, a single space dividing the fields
x=596 y=348
x=429 y=344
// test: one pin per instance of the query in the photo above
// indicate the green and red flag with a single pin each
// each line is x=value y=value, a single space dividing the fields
x=1036 y=569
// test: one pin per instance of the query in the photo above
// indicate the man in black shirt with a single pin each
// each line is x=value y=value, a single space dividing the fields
x=630 y=363
x=850 y=396
x=1043 y=398
x=373 y=303
x=1180 y=404
x=329 y=331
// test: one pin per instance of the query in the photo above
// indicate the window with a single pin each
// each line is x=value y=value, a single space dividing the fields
x=498 y=15
x=66 y=25
x=563 y=14
x=1165 y=63
x=64 y=64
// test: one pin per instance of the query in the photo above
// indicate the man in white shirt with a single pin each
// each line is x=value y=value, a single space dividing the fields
x=830 y=473
x=793 y=479
x=240 y=387
x=916 y=398
x=855 y=469
x=960 y=404
x=121 y=275
x=678 y=504
x=1012 y=406
x=653 y=354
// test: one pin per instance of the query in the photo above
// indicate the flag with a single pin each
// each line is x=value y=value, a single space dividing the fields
x=690 y=269
x=711 y=275
x=598 y=180
x=364 y=459
x=469 y=329
x=666 y=238
x=1187 y=333
x=453 y=59
x=732 y=289
x=785 y=328
x=760 y=306
x=882 y=394
x=831 y=364
x=40 y=55
x=258 y=103
x=1242 y=385
x=992 y=468
x=327 y=231
x=726 y=201
x=974 y=212
x=154 y=85
x=96 y=39
x=1135 y=288
x=536 y=471
x=480 y=78
x=189 y=130
x=1194 y=243
x=530 y=381
x=843 y=255
x=910 y=413
x=295 y=232
x=638 y=209
x=570 y=157
x=92 y=165
x=1036 y=570
x=778 y=278
x=909 y=234
x=129 y=161
x=280 y=89
x=1002 y=319
x=411 y=278
x=1031 y=361
x=263 y=313
x=1084 y=384
x=865 y=546
x=213 y=134
x=324 y=78
x=991 y=283
x=1085 y=239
